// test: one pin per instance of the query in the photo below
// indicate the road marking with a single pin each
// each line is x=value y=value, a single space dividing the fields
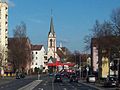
x=65 y=89
x=79 y=85
x=40 y=88
x=31 y=85
x=44 y=84
x=2 y=87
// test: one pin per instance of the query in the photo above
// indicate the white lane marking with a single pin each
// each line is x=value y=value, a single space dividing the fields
x=44 y=84
x=2 y=87
x=31 y=85
x=52 y=84
x=65 y=89
x=40 y=88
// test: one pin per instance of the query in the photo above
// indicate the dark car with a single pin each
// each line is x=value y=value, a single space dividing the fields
x=22 y=75
x=73 y=78
x=58 y=78
x=111 y=82
x=17 y=75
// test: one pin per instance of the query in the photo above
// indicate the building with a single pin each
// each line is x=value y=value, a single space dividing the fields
x=56 y=56
x=52 y=48
x=3 y=31
x=38 y=53
x=105 y=55
x=94 y=54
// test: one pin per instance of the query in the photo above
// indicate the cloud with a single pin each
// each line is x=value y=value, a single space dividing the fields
x=10 y=3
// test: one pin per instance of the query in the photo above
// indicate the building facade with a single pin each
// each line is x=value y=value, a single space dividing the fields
x=4 y=31
x=38 y=53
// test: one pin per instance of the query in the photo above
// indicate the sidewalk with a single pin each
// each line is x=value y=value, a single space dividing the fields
x=94 y=85
x=98 y=86
x=4 y=80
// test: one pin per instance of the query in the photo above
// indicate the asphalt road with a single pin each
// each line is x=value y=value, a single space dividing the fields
x=44 y=83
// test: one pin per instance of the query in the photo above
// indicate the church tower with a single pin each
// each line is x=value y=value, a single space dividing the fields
x=51 y=41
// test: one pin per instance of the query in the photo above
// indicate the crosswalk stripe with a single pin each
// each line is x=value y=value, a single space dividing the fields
x=31 y=85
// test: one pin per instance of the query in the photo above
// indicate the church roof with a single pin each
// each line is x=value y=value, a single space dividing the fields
x=61 y=53
x=51 y=27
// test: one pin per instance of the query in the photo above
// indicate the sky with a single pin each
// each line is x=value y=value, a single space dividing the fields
x=72 y=19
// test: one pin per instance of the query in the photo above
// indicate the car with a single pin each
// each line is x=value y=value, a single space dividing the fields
x=73 y=78
x=51 y=74
x=17 y=75
x=111 y=82
x=22 y=75
x=58 y=78
x=91 y=79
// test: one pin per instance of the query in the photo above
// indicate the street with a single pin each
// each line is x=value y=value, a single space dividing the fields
x=45 y=83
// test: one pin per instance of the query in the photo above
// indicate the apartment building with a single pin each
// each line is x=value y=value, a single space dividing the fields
x=3 y=31
x=38 y=53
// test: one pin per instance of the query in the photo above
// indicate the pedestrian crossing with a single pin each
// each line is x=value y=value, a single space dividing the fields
x=31 y=85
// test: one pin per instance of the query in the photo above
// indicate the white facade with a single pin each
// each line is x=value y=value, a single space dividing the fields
x=95 y=58
x=4 y=30
x=38 y=58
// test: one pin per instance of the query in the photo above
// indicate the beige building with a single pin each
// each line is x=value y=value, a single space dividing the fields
x=3 y=31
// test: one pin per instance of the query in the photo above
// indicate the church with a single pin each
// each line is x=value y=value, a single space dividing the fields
x=55 y=55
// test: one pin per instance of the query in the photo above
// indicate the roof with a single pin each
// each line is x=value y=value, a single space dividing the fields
x=60 y=53
x=51 y=27
x=37 y=47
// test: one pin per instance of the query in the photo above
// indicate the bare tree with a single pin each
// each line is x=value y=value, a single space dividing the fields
x=115 y=19
x=2 y=54
x=20 y=48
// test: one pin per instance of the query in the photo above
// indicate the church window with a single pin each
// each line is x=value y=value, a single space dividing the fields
x=36 y=58
x=50 y=42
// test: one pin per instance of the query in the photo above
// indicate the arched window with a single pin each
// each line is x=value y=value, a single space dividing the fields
x=50 y=42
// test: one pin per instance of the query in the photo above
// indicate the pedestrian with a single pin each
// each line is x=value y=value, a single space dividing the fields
x=2 y=73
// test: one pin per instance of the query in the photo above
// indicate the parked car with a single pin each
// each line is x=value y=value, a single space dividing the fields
x=22 y=75
x=91 y=78
x=111 y=82
x=58 y=78
x=17 y=75
x=73 y=78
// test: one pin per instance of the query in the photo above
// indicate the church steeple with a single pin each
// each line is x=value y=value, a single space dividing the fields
x=52 y=41
x=51 y=27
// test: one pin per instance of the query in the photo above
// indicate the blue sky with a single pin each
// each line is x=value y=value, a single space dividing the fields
x=72 y=19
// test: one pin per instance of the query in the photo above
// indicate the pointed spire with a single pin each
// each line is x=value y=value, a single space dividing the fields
x=51 y=25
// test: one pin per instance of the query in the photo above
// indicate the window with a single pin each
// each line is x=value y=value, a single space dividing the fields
x=6 y=16
x=50 y=42
x=36 y=63
x=36 y=52
x=36 y=58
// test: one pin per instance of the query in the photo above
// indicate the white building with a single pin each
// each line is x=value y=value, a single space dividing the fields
x=4 y=30
x=38 y=53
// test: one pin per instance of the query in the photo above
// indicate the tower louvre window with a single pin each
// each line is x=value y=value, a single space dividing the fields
x=50 y=42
